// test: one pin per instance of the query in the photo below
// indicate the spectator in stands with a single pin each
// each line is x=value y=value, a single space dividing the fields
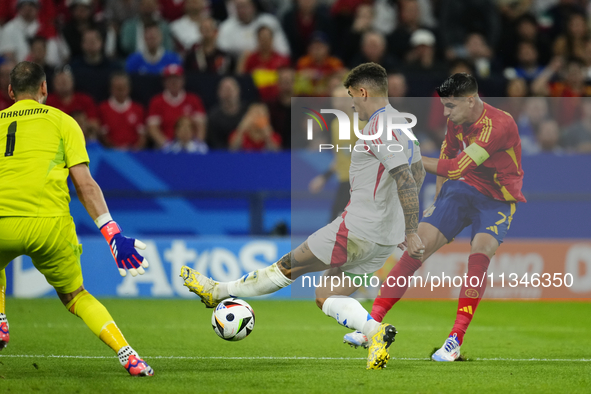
x=560 y=13
x=587 y=61
x=280 y=108
x=185 y=30
x=48 y=11
x=238 y=33
x=480 y=54
x=81 y=19
x=27 y=24
x=132 y=37
x=409 y=22
x=5 y=69
x=517 y=87
x=93 y=69
x=515 y=91
x=577 y=138
x=155 y=57
x=66 y=99
x=526 y=29
x=363 y=22
x=206 y=57
x=421 y=58
x=301 y=21
x=373 y=49
x=254 y=133
x=460 y=18
x=184 y=138
x=397 y=88
x=528 y=66
x=174 y=102
x=314 y=69
x=122 y=120
x=118 y=11
x=224 y=118
x=90 y=133
x=39 y=55
x=573 y=41
x=572 y=84
x=172 y=9
x=436 y=123
x=548 y=137
x=263 y=64
x=535 y=111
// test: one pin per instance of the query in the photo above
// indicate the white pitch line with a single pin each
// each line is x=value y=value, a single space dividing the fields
x=288 y=358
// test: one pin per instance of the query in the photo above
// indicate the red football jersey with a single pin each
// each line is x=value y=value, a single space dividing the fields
x=264 y=73
x=165 y=110
x=79 y=102
x=122 y=124
x=248 y=144
x=497 y=147
x=5 y=102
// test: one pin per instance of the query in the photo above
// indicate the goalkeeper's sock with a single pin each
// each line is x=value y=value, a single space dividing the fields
x=124 y=353
x=470 y=296
x=2 y=292
x=98 y=319
x=348 y=312
x=260 y=282
x=391 y=292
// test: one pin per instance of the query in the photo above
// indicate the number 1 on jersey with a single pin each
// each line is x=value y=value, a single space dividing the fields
x=10 y=139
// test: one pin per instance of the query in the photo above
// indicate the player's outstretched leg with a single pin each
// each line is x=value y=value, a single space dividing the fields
x=470 y=297
x=390 y=294
x=348 y=312
x=260 y=282
x=4 y=336
x=100 y=322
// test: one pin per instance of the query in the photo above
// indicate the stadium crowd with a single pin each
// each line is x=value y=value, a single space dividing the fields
x=196 y=75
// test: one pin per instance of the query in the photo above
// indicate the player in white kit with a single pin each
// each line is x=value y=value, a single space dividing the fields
x=385 y=175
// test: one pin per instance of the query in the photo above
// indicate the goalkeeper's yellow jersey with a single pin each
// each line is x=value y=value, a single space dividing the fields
x=38 y=144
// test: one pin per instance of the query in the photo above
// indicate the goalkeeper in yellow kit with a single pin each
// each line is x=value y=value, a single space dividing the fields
x=43 y=146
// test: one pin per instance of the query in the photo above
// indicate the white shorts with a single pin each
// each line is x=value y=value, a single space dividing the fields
x=336 y=246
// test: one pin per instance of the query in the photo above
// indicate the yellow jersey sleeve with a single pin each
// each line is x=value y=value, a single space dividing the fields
x=74 y=143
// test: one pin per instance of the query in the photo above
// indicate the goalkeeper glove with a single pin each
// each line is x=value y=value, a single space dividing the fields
x=123 y=250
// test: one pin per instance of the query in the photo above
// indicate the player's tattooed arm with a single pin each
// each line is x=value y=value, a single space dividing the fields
x=408 y=196
x=418 y=173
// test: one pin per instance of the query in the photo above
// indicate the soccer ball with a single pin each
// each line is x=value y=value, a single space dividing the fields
x=233 y=319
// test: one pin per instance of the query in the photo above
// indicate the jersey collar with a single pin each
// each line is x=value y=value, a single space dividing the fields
x=376 y=113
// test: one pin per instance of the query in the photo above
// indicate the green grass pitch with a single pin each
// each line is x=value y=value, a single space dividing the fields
x=295 y=348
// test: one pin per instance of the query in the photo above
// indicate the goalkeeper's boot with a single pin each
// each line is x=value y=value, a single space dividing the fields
x=4 y=336
x=356 y=339
x=378 y=356
x=450 y=351
x=201 y=285
x=133 y=363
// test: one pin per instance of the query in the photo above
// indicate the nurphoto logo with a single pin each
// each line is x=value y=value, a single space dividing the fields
x=390 y=122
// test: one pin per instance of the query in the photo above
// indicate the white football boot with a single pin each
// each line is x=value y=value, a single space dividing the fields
x=356 y=339
x=450 y=351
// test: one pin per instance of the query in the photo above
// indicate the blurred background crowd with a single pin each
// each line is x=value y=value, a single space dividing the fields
x=200 y=75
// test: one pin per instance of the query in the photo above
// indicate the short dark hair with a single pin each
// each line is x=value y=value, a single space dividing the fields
x=152 y=24
x=370 y=75
x=264 y=27
x=26 y=77
x=120 y=74
x=458 y=85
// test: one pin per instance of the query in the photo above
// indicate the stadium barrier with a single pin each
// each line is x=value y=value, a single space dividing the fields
x=520 y=269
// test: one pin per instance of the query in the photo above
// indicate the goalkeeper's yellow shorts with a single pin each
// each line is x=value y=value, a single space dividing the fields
x=51 y=243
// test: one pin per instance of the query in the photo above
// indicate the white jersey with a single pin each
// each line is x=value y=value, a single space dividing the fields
x=374 y=211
